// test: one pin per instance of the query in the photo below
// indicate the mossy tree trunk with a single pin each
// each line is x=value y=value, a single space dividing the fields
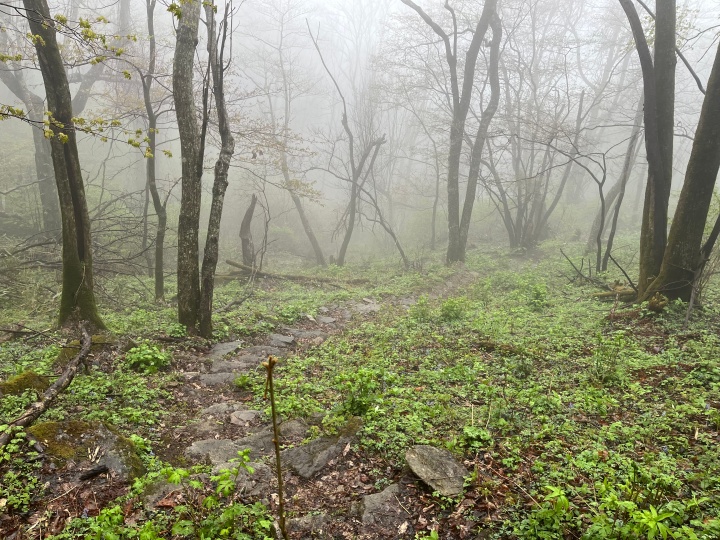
x=188 y=270
x=78 y=299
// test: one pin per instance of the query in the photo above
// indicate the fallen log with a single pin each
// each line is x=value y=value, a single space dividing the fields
x=292 y=277
x=36 y=409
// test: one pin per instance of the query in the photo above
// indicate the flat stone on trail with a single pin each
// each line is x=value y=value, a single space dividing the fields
x=308 y=459
x=261 y=443
x=239 y=365
x=280 y=340
x=437 y=468
x=219 y=409
x=221 y=349
x=217 y=451
x=217 y=379
x=241 y=418
x=260 y=352
x=365 y=308
x=322 y=319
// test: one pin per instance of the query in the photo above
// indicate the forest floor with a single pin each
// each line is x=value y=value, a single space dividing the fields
x=567 y=417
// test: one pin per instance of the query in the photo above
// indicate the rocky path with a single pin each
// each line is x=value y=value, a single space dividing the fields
x=333 y=491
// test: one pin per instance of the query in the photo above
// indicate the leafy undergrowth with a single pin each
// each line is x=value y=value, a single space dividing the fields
x=576 y=419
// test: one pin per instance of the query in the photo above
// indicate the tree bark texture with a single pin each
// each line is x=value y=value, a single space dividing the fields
x=188 y=271
x=653 y=235
x=222 y=165
x=77 y=299
x=683 y=254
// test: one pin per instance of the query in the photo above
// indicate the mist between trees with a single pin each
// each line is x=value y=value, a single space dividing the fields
x=162 y=140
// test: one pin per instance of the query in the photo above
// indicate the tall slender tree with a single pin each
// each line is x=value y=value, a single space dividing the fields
x=78 y=298
x=461 y=98
x=188 y=271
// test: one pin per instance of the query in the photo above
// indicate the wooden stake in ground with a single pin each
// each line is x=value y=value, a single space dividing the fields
x=36 y=409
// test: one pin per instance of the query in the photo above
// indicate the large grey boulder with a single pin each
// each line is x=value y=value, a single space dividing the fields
x=437 y=468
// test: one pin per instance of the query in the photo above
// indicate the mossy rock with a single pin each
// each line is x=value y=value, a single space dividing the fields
x=75 y=440
x=69 y=351
x=17 y=384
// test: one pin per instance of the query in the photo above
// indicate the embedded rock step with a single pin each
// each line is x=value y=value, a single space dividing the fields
x=260 y=444
x=243 y=418
x=281 y=340
x=308 y=459
x=216 y=451
x=437 y=468
x=219 y=350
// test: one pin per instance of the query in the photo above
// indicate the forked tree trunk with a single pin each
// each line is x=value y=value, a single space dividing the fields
x=212 y=247
x=630 y=156
x=461 y=98
x=481 y=135
x=683 y=256
x=77 y=301
x=657 y=87
x=188 y=271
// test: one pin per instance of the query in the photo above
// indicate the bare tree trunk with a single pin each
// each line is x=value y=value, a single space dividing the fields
x=248 y=249
x=684 y=255
x=210 y=256
x=630 y=156
x=188 y=272
x=460 y=106
x=653 y=236
x=78 y=299
x=480 y=137
x=307 y=227
x=355 y=187
x=150 y=165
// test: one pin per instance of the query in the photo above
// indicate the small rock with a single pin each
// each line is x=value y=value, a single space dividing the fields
x=219 y=409
x=326 y=320
x=280 y=340
x=241 y=418
x=323 y=309
x=217 y=379
x=261 y=443
x=217 y=451
x=310 y=526
x=260 y=352
x=382 y=509
x=437 y=468
x=221 y=349
x=240 y=365
x=310 y=458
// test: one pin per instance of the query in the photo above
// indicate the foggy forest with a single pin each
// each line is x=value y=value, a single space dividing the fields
x=359 y=269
